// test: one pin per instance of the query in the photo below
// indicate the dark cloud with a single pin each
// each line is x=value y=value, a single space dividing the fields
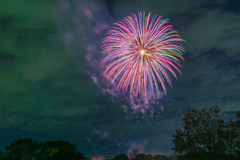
x=6 y=22
x=5 y=57
x=232 y=6
x=110 y=6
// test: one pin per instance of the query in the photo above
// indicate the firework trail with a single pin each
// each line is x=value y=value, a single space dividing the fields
x=140 y=54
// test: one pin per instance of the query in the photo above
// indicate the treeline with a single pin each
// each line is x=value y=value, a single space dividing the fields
x=26 y=149
x=140 y=156
x=205 y=136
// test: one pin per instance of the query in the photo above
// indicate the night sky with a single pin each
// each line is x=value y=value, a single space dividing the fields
x=52 y=88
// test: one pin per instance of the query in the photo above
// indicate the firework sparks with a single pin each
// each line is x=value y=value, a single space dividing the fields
x=140 y=55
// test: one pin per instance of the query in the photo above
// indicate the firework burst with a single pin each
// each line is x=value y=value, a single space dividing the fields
x=140 y=55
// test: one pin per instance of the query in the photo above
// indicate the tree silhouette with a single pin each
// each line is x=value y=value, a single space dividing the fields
x=1 y=153
x=238 y=126
x=21 y=149
x=143 y=157
x=160 y=157
x=133 y=153
x=26 y=149
x=206 y=136
x=121 y=157
x=60 y=150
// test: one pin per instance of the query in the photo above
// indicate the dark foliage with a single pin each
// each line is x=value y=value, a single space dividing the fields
x=21 y=149
x=134 y=152
x=143 y=157
x=26 y=149
x=121 y=157
x=160 y=157
x=206 y=136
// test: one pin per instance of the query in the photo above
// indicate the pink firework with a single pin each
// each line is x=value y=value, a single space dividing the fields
x=140 y=55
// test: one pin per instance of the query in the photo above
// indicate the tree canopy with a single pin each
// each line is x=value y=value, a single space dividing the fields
x=160 y=157
x=26 y=149
x=205 y=135
x=133 y=153
x=121 y=157
x=144 y=157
